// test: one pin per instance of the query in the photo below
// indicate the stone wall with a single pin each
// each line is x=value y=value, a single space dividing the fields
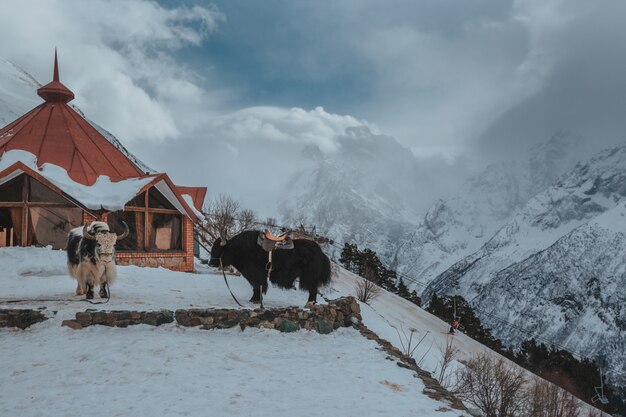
x=20 y=318
x=119 y=318
x=343 y=312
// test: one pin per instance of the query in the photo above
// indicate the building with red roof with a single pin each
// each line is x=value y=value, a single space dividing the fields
x=58 y=171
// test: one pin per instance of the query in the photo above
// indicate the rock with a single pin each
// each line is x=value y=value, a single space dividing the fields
x=99 y=317
x=164 y=317
x=84 y=317
x=182 y=318
x=324 y=327
x=72 y=324
x=354 y=306
x=288 y=326
x=266 y=325
x=207 y=321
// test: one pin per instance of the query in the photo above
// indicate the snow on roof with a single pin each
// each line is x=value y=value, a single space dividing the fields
x=190 y=203
x=103 y=194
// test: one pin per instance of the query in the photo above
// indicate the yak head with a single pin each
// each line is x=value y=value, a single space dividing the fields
x=221 y=253
x=104 y=240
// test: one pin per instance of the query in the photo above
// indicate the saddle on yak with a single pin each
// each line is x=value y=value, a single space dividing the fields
x=269 y=242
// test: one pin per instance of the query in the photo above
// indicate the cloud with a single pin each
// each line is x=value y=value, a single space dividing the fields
x=274 y=124
x=251 y=154
x=118 y=58
x=226 y=87
x=435 y=75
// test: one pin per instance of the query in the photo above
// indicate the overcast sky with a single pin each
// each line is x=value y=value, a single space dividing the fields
x=443 y=77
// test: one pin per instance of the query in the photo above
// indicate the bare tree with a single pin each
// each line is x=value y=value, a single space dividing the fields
x=225 y=218
x=366 y=290
x=492 y=386
x=546 y=399
x=247 y=219
x=448 y=354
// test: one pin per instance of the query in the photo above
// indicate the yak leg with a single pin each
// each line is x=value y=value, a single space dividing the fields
x=312 y=298
x=256 y=290
x=81 y=278
x=89 y=295
x=80 y=289
x=103 y=290
x=256 y=295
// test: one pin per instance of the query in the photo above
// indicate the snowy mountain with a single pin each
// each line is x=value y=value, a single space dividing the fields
x=18 y=92
x=551 y=266
x=366 y=193
x=458 y=225
x=571 y=293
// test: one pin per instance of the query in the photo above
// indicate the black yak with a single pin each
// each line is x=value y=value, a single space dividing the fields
x=305 y=261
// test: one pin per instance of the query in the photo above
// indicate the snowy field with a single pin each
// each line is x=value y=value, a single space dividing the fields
x=175 y=371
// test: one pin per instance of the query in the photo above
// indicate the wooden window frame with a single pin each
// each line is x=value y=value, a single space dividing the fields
x=25 y=205
x=146 y=209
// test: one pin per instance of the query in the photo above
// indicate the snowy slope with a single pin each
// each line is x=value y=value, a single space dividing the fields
x=176 y=371
x=170 y=370
x=564 y=247
x=571 y=293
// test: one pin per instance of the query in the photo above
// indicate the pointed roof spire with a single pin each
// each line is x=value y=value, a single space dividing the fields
x=55 y=91
x=55 y=77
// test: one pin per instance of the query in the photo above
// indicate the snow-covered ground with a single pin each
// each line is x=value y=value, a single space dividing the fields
x=171 y=370
x=177 y=371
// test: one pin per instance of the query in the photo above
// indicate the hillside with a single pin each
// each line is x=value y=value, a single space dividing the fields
x=460 y=224
x=552 y=267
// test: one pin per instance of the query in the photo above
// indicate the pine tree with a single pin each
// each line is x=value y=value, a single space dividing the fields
x=403 y=291
x=415 y=299
x=349 y=257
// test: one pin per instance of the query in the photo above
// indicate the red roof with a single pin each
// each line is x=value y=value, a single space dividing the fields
x=197 y=195
x=55 y=133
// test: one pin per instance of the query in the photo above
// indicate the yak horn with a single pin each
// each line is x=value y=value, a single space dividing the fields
x=126 y=232
x=87 y=234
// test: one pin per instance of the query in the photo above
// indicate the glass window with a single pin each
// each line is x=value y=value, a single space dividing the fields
x=12 y=189
x=40 y=193
x=158 y=200
x=165 y=231
x=135 y=221
x=50 y=225
x=139 y=201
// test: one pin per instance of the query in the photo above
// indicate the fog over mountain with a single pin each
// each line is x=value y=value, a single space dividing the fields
x=458 y=85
